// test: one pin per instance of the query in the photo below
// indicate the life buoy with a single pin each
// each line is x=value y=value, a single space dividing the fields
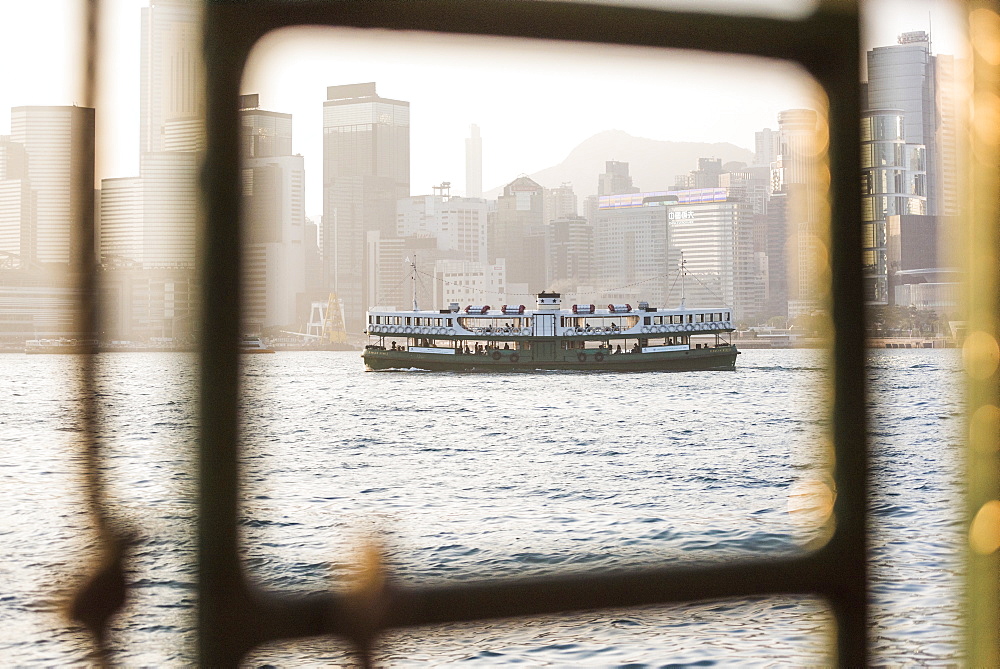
x=526 y=331
x=598 y=357
x=451 y=331
x=514 y=357
x=505 y=331
x=689 y=327
x=495 y=355
x=581 y=356
x=645 y=329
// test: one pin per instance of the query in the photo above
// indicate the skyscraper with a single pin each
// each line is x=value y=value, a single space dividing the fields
x=893 y=184
x=793 y=176
x=16 y=218
x=765 y=147
x=58 y=146
x=366 y=169
x=274 y=200
x=903 y=76
x=474 y=163
x=170 y=71
x=516 y=233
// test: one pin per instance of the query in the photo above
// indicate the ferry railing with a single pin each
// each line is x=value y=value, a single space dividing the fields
x=234 y=615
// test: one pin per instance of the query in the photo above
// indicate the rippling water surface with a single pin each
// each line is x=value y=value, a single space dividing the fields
x=471 y=475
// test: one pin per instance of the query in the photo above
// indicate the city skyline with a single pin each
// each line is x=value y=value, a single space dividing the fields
x=510 y=149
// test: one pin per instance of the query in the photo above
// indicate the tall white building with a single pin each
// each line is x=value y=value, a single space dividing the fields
x=170 y=70
x=58 y=145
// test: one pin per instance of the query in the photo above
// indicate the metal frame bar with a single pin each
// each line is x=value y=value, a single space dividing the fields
x=234 y=616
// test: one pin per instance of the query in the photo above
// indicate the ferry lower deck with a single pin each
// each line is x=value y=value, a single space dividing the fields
x=626 y=354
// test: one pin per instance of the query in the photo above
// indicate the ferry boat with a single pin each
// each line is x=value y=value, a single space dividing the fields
x=253 y=344
x=63 y=346
x=512 y=338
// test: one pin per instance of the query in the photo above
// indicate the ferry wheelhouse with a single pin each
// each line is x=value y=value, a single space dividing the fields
x=583 y=337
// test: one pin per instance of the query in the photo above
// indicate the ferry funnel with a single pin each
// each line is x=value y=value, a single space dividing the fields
x=549 y=301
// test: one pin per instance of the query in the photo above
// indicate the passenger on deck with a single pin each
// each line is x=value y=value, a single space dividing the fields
x=393 y=346
x=619 y=350
x=506 y=346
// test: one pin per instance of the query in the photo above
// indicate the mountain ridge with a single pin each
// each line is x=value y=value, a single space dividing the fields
x=653 y=163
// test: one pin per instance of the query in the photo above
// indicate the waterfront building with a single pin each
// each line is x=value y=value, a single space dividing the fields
x=474 y=163
x=456 y=223
x=35 y=303
x=274 y=206
x=471 y=283
x=58 y=157
x=149 y=303
x=366 y=171
x=919 y=274
x=388 y=264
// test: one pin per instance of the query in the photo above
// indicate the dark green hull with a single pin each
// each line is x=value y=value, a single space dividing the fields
x=692 y=360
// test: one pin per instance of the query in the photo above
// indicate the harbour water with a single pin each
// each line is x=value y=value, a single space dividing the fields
x=466 y=476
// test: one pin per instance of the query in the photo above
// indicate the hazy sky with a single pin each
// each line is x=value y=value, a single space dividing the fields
x=533 y=101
